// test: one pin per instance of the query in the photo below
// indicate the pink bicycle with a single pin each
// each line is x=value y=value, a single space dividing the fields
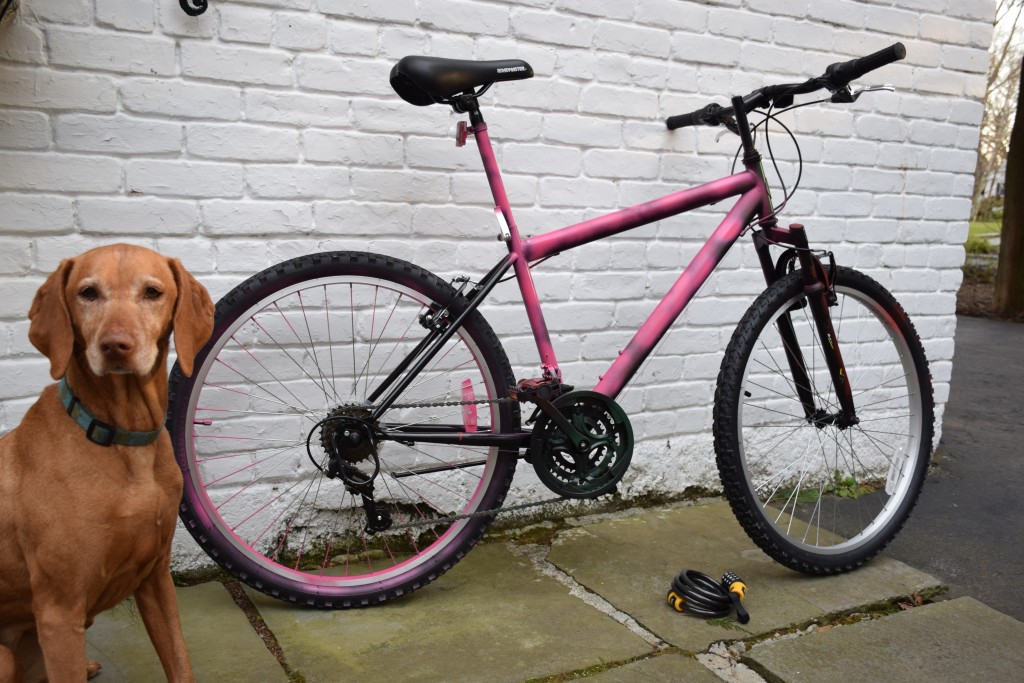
x=353 y=426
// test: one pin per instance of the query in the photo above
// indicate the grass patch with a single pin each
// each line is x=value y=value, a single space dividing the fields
x=980 y=228
x=978 y=233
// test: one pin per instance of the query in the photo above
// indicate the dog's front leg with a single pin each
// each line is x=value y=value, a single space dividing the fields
x=60 y=632
x=158 y=605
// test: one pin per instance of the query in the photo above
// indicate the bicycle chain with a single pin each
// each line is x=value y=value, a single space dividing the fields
x=443 y=404
x=451 y=519
x=473 y=515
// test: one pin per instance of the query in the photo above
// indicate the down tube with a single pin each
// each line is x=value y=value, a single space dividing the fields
x=666 y=312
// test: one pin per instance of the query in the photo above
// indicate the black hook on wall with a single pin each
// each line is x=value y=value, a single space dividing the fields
x=194 y=8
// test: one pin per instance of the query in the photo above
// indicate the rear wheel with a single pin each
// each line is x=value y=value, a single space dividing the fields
x=290 y=373
x=817 y=497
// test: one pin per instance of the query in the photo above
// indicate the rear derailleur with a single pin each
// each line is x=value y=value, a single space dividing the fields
x=348 y=439
x=582 y=441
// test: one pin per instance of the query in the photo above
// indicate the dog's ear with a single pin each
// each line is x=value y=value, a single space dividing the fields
x=50 y=328
x=193 y=316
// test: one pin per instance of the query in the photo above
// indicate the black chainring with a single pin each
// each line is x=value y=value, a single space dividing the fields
x=587 y=472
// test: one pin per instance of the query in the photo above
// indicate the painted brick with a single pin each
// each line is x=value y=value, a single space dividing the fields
x=25 y=130
x=671 y=14
x=840 y=12
x=545 y=27
x=297 y=109
x=602 y=99
x=600 y=163
x=398 y=186
x=23 y=43
x=398 y=41
x=892 y=21
x=249 y=218
x=793 y=8
x=15 y=257
x=346 y=37
x=130 y=15
x=945 y=29
x=344 y=75
x=437 y=153
x=297 y=181
x=183 y=178
x=59 y=172
x=360 y=218
x=581 y=193
x=35 y=214
x=242 y=142
x=965 y=59
x=235 y=64
x=542 y=160
x=63 y=11
x=870 y=127
x=803 y=34
x=400 y=11
x=116 y=134
x=112 y=51
x=245 y=24
x=180 y=99
x=352 y=149
x=632 y=40
x=137 y=216
x=738 y=24
x=43 y=88
x=465 y=17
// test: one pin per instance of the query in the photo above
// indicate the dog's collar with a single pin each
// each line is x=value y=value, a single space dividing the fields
x=100 y=432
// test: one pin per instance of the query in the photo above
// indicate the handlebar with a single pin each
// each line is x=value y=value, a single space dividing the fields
x=841 y=73
x=835 y=79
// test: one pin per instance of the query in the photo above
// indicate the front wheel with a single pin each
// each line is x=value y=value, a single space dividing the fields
x=288 y=483
x=816 y=496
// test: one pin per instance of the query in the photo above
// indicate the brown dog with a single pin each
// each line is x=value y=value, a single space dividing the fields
x=88 y=483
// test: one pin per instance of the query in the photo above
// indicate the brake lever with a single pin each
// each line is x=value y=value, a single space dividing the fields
x=888 y=87
x=844 y=95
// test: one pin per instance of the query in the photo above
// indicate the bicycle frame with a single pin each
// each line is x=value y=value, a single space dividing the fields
x=753 y=204
x=753 y=200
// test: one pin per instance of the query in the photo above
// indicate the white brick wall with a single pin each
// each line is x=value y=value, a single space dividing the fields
x=266 y=129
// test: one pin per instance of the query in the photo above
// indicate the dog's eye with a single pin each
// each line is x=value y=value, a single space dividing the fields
x=89 y=293
x=153 y=293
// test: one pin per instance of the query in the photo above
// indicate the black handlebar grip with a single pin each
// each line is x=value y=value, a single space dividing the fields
x=705 y=116
x=841 y=73
x=683 y=120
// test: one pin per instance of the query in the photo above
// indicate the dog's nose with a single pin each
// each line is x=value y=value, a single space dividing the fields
x=116 y=345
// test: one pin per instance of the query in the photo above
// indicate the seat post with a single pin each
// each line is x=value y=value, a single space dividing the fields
x=467 y=103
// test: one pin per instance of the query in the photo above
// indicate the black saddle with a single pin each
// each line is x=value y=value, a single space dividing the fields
x=429 y=80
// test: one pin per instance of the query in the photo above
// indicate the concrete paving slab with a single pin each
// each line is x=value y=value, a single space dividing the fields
x=957 y=640
x=493 y=617
x=631 y=561
x=221 y=643
x=666 y=668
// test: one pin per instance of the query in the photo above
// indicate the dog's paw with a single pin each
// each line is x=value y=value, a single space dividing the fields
x=92 y=668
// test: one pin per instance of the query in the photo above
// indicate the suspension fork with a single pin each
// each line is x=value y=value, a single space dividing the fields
x=818 y=290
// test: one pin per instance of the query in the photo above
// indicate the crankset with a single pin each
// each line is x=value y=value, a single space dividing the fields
x=581 y=445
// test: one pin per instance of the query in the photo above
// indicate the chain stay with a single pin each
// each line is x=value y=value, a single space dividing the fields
x=451 y=519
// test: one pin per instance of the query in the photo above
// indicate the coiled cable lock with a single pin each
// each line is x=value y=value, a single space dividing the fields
x=699 y=594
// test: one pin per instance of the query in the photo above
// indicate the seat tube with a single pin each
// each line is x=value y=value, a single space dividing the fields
x=531 y=301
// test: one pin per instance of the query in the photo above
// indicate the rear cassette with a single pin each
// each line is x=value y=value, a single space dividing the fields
x=591 y=462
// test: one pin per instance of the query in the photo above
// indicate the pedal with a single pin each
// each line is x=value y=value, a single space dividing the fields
x=538 y=388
